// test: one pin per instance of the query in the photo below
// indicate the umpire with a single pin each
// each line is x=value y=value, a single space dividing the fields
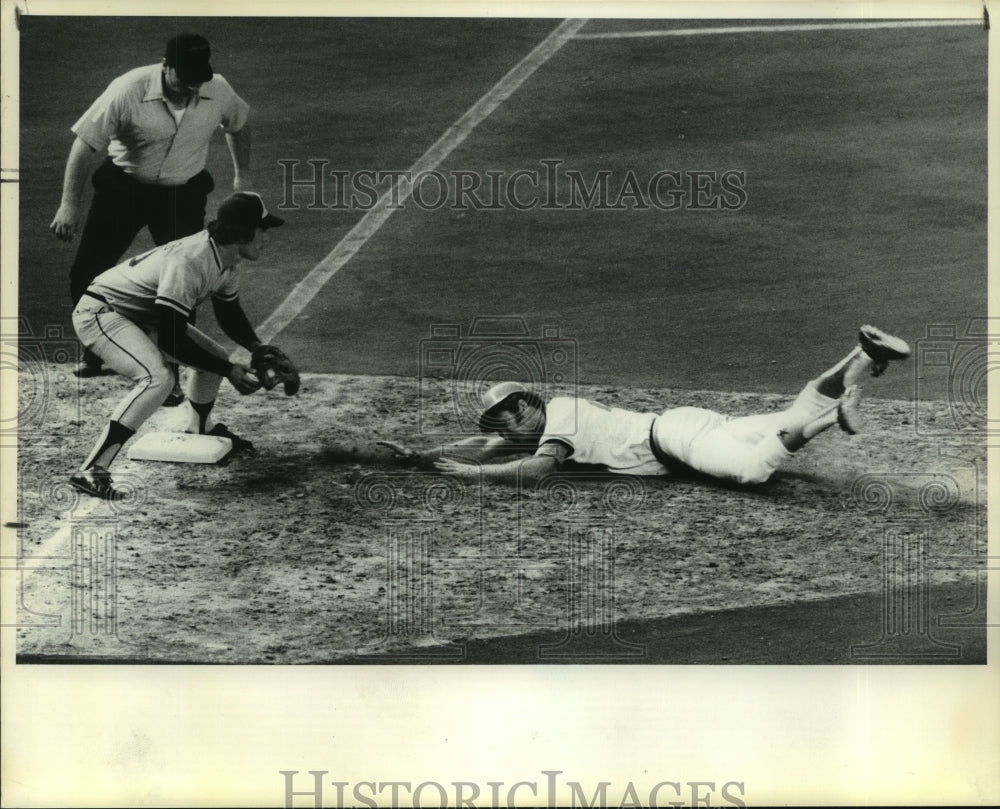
x=155 y=124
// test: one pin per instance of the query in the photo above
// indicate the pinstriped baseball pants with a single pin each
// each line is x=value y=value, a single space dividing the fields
x=126 y=348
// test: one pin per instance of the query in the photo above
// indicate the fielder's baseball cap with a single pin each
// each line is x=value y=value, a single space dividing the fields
x=246 y=210
x=189 y=55
x=494 y=400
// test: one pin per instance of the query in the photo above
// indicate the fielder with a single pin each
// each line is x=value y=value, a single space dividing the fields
x=745 y=450
x=136 y=318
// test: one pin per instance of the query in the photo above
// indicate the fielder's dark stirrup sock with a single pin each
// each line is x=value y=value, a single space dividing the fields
x=115 y=435
x=202 y=409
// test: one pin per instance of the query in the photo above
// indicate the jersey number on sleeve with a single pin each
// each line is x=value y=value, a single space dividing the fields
x=165 y=248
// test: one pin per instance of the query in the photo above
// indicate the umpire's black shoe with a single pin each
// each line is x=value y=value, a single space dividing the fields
x=95 y=481
x=92 y=365
x=176 y=396
x=239 y=444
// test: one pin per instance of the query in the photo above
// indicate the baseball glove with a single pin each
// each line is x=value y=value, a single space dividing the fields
x=273 y=367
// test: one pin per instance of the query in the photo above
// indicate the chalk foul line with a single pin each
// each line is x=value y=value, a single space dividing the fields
x=778 y=29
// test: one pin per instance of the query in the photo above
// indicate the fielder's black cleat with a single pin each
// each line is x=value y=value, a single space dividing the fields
x=881 y=347
x=239 y=444
x=95 y=481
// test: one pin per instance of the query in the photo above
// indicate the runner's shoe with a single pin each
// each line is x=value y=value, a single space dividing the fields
x=881 y=347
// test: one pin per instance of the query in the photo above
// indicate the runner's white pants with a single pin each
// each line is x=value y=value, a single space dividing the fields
x=746 y=449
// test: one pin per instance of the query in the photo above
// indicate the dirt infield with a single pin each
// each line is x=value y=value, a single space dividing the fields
x=320 y=548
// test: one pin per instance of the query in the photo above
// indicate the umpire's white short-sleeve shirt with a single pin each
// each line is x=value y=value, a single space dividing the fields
x=132 y=119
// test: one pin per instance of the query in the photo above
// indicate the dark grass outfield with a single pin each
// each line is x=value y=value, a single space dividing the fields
x=864 y=155
x=845 y=630
x=849 y=630
x=865 y=201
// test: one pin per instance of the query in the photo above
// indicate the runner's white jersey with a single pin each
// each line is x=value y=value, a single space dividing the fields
x=181 y=274
x=598 y=434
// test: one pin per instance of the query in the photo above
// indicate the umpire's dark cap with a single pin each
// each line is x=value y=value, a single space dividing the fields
x=246 y=210
x=189 y=55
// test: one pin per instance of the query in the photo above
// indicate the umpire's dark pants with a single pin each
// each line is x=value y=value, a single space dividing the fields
x=122 y=206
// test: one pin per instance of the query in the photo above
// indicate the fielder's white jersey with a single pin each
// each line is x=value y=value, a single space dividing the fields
x=181 y=274
x=598 y=434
